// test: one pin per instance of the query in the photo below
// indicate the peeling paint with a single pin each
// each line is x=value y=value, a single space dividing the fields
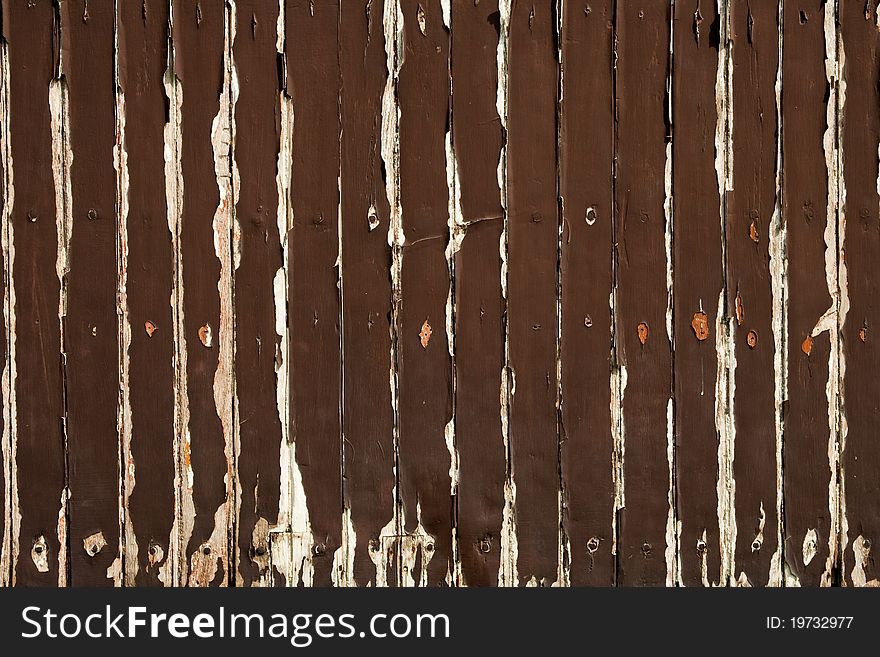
x=779 y=572
x=126 y=572
x=40 y=554
x=94 y=543
x=62 y=160
x=725 y=335
x=394 y=52
x=173 y=572
x=281 y=560
x=811 y=544
x=12 y=513
x=862 y=553
x=835 y=274
x=507 y=570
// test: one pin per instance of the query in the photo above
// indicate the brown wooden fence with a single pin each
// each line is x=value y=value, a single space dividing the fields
x=426 y=292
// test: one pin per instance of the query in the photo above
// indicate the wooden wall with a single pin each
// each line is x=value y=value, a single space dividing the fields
x=440 y=292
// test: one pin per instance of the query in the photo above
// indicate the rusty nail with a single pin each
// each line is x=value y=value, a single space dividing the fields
x=807 y=345
x=700 y=324
x=425 y=334
x=150 y=328
x=752 y=339
x=753 y=231
x=643 y=332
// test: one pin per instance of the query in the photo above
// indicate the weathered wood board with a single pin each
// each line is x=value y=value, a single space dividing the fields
x=439 y=292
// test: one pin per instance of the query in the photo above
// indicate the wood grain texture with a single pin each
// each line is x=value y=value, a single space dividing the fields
x=257 y=345
x=859 y=144
x=149 y=269
x=198 y=32
x=313 y=292
x=39 y=445
x=643 y=346
x=752 y=228
x=368 y=414
x=808 y=470
x=90 y=325
x=479 y=305
x=424 y=362
x=586 y=143
x=698 y=305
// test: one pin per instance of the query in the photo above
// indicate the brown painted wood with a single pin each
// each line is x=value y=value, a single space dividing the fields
x=755 y=37
x=198 y=36
x=142 y=62
x=424 y=363
x=257 y=345
x=40 y=455
x=642 y=344
x=479 y=305
x=532 y=281
x=859 y=140
x=698 y=282
x=231 y=402
x=366 y=287
x=586 y=142
x=805 y=194
x=90 y=326
x=314 y=295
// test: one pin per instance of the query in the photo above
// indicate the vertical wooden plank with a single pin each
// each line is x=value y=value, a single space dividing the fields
x=6 y=335
x=38 y=442
x=586 y=143
x=859 y=31
x=368 y=418
x=810 y=223
x=643 y=342
x=313 y=71
x=699 y=128
x=198 y=35
x=257 y=344
x=479 y=305
x=532 y=262
x=148 y=292
x=90 y=325
x=753 y=289
x=424 y=364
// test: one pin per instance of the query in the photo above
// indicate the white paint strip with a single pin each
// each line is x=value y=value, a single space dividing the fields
x=862 y=554
x=839 y=301
x=725 y=347
x=392 y=21
x=12 y=511
x=671 y=552
x=563 y=558
x=779 y=282
x=124 y=569
x=282 y=560
x=507 y=571
x=62 y=160
x=457 y=231
x=839 y=412
x=204 y=561
x=173 y=572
